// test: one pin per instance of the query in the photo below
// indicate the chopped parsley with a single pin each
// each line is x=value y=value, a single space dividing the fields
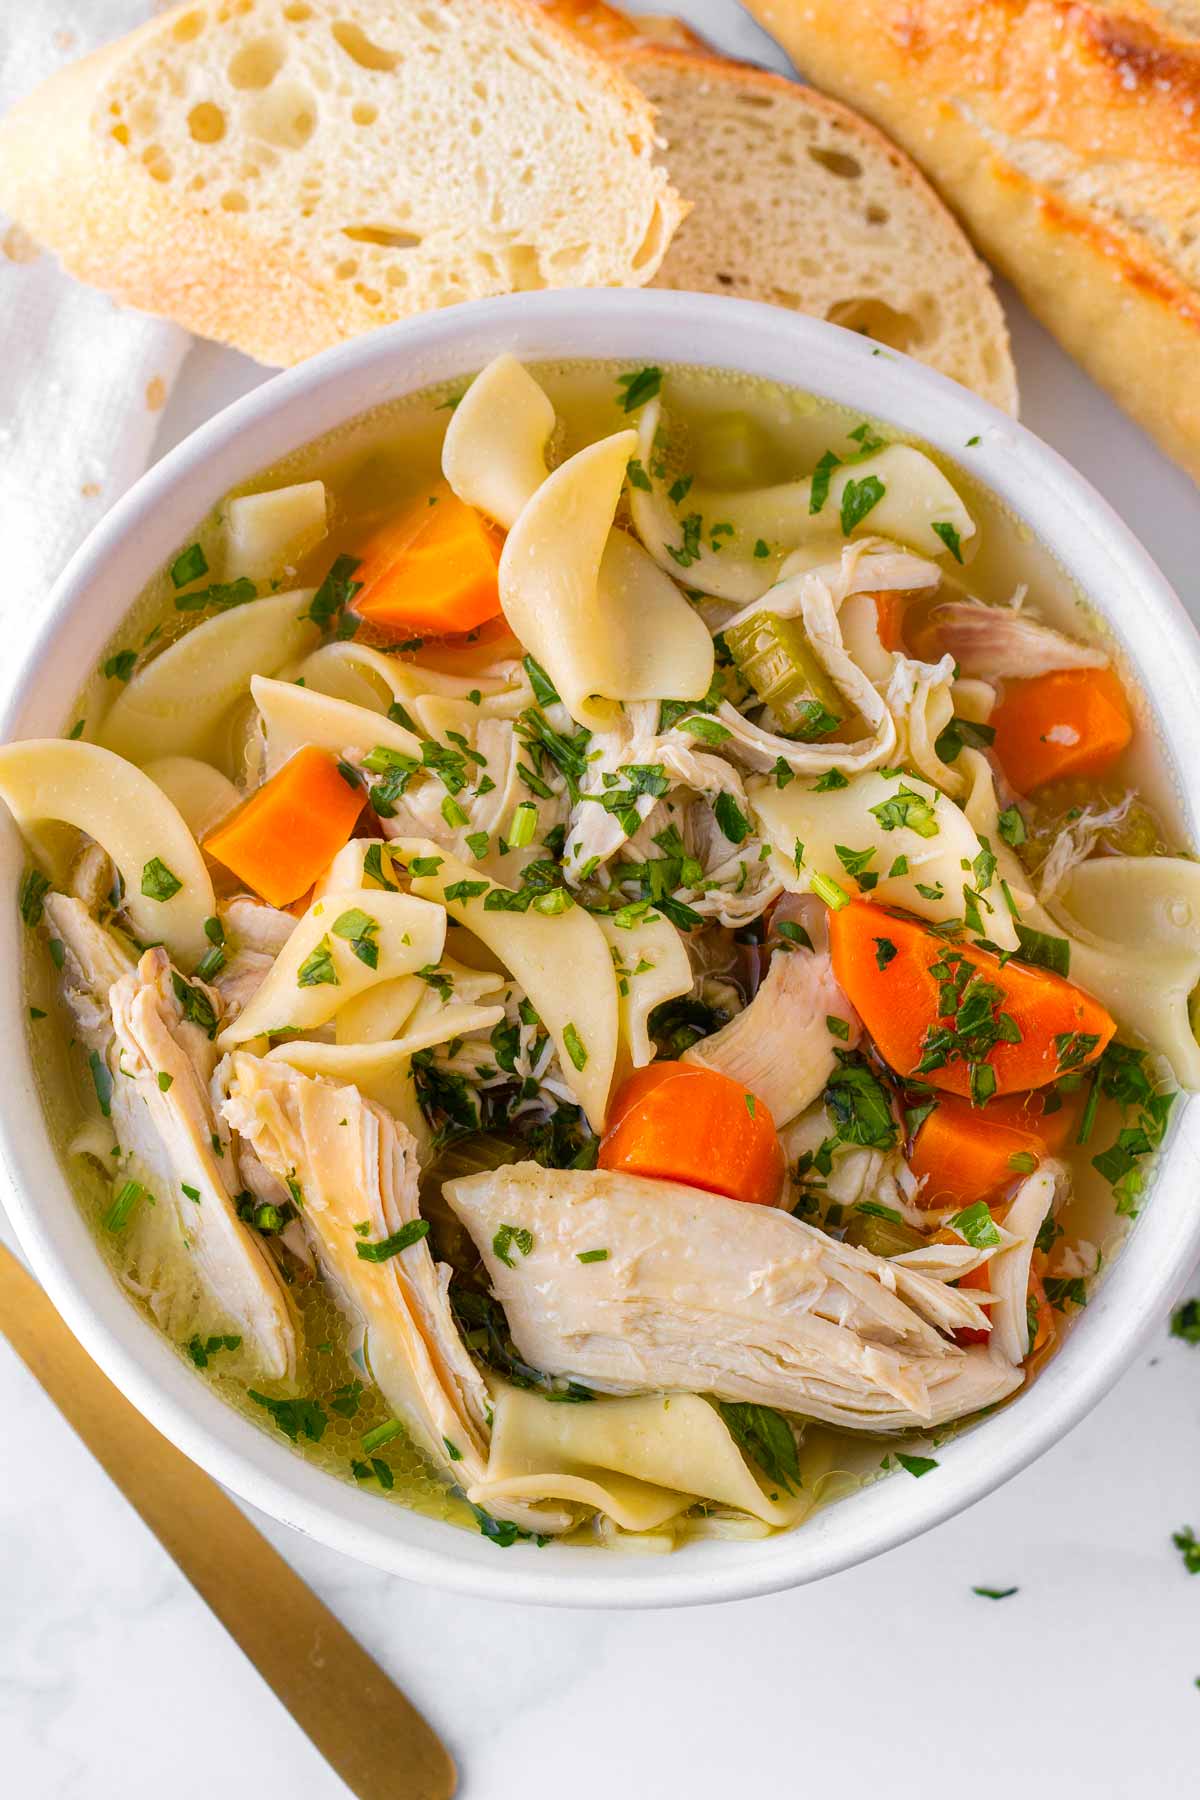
x=120 y=666
x=858 y=499
x=202 y=1350
x=33 y=890
x=1185 y=1541
x=908 y=809
x=976 y=1224
x=730 y=817
x=574 y=1046
x=1185 y=1321
x=765 y=1437
x=158 y=883
x=335 y=593
x=508 y=1236
x=591 y=1256
x=102 y=1081
x=124 y=1201
x=885 y=950
x=639 y=387
x=986 y=1593
x=1042 y=950
x=916 y=1465
x=189 y=566
x=831 y=779
x=821 y=477
x=1012 y=828
x=317 y=969
x=949 y=537
x=962 y=734
x=294 y=1417
x=383 y=1249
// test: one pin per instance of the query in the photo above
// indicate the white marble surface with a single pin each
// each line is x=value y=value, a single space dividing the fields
x=114 y=1679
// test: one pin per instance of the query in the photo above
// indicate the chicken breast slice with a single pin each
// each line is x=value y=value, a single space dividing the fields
x=353 y=1164
x=780 y=1047
x=631 y=1285
x=996 y=641
x=92 y=959
x=165 y=1126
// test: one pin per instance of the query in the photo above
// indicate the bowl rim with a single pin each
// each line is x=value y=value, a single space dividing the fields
x=87 y=603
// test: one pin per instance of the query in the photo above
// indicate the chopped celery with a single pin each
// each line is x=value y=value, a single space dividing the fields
x=775 y=657
x=882 y=1237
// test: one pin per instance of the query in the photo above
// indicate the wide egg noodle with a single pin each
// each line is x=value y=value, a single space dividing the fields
x=410 y=936
x=915 y=496
x=295 y=717
x=129 y=816
x=640 y=1460
x=375 y=681
x=651 y=941
x=819 y=822
x=200 y=794
x=174 y=705
x=561 y=960
x=494 y=453
x=1145 y=965
x=588 y=603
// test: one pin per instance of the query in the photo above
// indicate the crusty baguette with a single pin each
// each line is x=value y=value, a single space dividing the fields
x=283 y=174
x=799 y=202
x=1066 y=134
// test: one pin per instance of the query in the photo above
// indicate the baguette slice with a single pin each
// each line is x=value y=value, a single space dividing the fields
x=283 y=174
x=801 y=203
x=1067 y=136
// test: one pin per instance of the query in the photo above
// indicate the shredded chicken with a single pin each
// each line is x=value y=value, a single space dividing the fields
x=700 y=1294
x=780 y=1047
x=353 y=1162
x=997 y=641
x=165 y=1124
x=93 y=959
x=255 y=934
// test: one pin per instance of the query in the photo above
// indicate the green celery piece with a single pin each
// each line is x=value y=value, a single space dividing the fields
x=775 y=657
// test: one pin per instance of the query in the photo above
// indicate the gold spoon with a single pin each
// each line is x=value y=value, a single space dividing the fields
x=358 y=1719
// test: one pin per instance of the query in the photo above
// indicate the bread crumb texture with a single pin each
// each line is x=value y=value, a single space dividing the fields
x=283 y=174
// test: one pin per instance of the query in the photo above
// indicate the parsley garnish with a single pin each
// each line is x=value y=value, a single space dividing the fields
x=858 y=499
x=764 y=1435
x=189 y=566
x=730 y=817
x=383 y=1249
x=33 y=890
x=294 y=1416
x=831 y=779
x=574 y=1046
x=158 y=883
x=639 y=387
x=335 y=592
x=317 y=969
x=506 y=1237
x=949 y=537
x=1042 y=950
x=916 y=1465
x=591 y=1256
x=1185 y=1321
x=977 y=1226
x=821 y=476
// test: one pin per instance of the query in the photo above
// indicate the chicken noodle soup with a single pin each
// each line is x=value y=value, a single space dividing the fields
x=608 y=952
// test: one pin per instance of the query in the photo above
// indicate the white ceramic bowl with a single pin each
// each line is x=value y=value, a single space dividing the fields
x=87 y=604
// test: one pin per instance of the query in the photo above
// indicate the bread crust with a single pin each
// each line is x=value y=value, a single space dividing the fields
x=112 y=225
x=1066 y=135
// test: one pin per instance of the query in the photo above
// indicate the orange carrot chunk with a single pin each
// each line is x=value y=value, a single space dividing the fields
x=890 y=608
x=965 y=1153
x=432 y=570
x=954 y=1015
x=677 y=1122
x=1070 y=722
x=288 y=833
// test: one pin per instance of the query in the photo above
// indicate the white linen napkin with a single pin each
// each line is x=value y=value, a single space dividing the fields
x=82 y=380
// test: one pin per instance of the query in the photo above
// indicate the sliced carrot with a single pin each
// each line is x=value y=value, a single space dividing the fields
x=1070 y=722
x=678 y=1122
x=890 y=608
x=288 y=833
x=432 y=569
x=1034 y=1027
x=964 y=1152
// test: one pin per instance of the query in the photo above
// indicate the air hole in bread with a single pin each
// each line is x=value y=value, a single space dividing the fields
x=877 y=215
x=157 y=163
x=121 y=133
x=879 y=321
x=385 y=235
x=187 y=27
x=206 y=123
x=285 y=116
x=396 y=277
x=258 y=63
x=346 y=269
x=836 y=161
x=359 y=48
x=363 y=113
x=371 y=295
x=232 y=201
x=298 y=12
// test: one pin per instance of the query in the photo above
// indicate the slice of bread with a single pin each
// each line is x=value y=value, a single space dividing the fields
x=1065 y=133
x=801 y=203
x=283 y=174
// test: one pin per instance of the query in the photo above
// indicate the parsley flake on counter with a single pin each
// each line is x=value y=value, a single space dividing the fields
x=1186 y=1543
x=591 y=1256
x=1185 y=1321
x=986 y=1593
